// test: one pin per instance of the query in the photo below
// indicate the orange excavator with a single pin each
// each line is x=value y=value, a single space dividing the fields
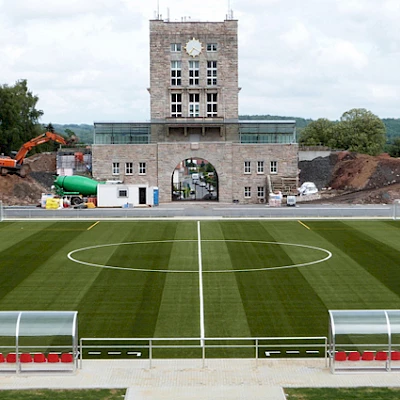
x=15 y=165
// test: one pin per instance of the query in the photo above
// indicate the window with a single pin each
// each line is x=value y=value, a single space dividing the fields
x=115 y=168
x=260 y=167
x=176 y=47
x=128 y=168
x=260 y=192
x=193 y=73
x=247 y=192
x=176 y=71
x=247 y=167
x=176 y=105
x=211 y=73
x=273 y=167
x=211 y=46
x=194 y=104
x=212 y=109
x=142 y=168
x=122 y=192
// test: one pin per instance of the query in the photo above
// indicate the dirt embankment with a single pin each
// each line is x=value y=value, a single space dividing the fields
x=354 y=178
x=15 y=190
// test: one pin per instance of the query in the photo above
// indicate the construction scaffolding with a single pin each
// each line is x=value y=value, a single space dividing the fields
x=74 y=161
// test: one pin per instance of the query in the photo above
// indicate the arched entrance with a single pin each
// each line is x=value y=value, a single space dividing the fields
x=194 y=179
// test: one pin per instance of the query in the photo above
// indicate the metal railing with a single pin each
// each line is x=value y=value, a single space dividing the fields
x=312 y=346
x=216 y=210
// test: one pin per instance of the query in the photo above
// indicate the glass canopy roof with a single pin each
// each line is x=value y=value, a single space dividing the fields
x=38 y=323
x=369 y=322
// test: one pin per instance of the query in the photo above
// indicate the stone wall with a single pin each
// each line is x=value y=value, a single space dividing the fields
x=105 y=155
x=227 y=158
x=284 y=155
x=162 y=34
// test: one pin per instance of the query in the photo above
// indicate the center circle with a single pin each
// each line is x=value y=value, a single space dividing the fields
x=327 y=253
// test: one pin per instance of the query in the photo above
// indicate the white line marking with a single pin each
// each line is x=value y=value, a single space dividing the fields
x=292 y=351
x=202 y=335
x=114 y=353
x=268 y=353
x=136 y=353
x=329 y=255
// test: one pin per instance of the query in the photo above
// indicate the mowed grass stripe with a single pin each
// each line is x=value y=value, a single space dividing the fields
x=224 y=313
x=379 y=259
x=13 y=232
x=340 y=282
x=386 y=232
x=179 y=310
x=274 y=301
x=57 y=284
x=126 y=303
x=22 y=259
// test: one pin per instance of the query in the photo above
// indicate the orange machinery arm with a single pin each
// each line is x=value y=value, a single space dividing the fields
x=45 y=137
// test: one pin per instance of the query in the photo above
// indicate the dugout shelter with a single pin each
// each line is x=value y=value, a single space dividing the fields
x=33 y=341
x=364 y=339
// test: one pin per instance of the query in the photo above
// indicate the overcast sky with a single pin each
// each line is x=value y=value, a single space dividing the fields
x=88 y=60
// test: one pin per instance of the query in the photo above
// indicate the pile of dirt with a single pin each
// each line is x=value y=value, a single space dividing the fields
x=15 y=190
x=319 y=170
x=354 y=178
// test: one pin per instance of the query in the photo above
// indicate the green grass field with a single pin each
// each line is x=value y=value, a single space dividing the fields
x=258 y=278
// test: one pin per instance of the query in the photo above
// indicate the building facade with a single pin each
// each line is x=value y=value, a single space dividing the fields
x=194 y=115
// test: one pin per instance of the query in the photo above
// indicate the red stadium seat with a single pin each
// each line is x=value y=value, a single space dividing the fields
x=11 y=358
x=381 y=356
x=341 y=356
x=2 y=359
x=368 y=356
x=39 y=358
x=395 y=355
x=67 y=358
x=354 y=356
x=53 y=358
x=25 y=358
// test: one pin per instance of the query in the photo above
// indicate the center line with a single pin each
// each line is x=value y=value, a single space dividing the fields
x=202 y=335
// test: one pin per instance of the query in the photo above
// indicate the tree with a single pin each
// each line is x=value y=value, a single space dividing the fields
x=318 y=132
x=358 y=130
x=361 y=131
x=18 y=116
x=394 y=149
x=50 y=128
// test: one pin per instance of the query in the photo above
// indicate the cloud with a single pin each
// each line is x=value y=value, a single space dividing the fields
x=89 y=60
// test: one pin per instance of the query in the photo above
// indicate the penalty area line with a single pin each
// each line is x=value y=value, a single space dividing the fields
x=305 y=226
x=92 y=226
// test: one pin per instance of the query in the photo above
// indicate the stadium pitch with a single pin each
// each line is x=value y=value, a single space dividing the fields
x=191 y=279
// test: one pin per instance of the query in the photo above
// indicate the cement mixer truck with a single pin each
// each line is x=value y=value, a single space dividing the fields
x=74 y=188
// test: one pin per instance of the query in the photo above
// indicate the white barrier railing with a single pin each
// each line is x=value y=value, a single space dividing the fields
x=268 y=345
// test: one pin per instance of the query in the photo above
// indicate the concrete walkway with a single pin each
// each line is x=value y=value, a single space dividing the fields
x=186 y=379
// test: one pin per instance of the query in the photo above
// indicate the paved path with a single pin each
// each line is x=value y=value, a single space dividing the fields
x=187 y=380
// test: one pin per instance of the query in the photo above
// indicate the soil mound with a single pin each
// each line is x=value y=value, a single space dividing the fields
x=354 y=178
x=15 y=190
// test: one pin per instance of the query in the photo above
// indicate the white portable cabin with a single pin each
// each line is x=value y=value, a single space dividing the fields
x=121 y=195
